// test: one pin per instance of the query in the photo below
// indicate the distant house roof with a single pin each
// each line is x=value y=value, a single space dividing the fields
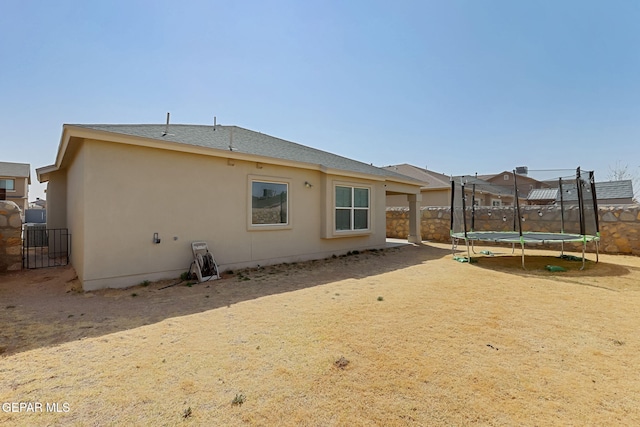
x=609 y=190
x=482 y=185
x=430 y=179
x=615 y=189
x=543 y=194
x=237 y=140
x=18 y=170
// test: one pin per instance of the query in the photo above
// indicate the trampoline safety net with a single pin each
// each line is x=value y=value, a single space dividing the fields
x=525 y=206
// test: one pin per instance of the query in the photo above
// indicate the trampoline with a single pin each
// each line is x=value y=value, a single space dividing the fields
x=558 y=211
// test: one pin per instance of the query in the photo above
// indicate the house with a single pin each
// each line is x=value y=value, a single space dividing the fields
x=134 y=198
x=509 y=180
x=15 y=179
x=436 y=188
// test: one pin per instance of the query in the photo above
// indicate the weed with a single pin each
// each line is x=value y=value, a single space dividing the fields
x=145 y=283
x=185 y=276
x=341 y=363
x=186 y=413
x=134 y=294
x=70 y=316
x=10 y=306
x=189 y=284
x=239 y=399
x=380 y=299
x=618 y=342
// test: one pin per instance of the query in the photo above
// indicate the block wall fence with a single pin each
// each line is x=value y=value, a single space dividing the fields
x=619 y=225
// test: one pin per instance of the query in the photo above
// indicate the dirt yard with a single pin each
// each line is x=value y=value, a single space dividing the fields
x=404 y=336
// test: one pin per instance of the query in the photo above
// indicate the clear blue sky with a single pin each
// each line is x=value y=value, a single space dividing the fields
x=457 y=86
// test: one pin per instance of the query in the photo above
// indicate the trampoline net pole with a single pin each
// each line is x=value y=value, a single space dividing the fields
x=592 y=182
x=473 y=207
x=561 y=205
x=453 y=195
x=561 y=213
x=517 y=203
x=580 y=201
x=464 y=210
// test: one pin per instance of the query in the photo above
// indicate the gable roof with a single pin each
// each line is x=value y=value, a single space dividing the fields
x=17 y=170
x=233 y=142
x=430 y=179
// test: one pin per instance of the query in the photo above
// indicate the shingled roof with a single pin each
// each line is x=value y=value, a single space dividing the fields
x=609 y=190
x=240 y=140
x=430 y=179
x=17 y=170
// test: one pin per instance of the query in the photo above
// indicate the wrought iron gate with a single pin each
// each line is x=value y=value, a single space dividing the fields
x=45 y=247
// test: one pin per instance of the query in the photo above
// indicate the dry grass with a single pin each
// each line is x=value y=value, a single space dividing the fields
x=401 y=337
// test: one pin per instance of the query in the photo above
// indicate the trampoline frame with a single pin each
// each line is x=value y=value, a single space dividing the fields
x=522 y=237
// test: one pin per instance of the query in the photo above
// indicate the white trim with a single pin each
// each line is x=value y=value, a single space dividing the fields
x=351 y=232
x=269 y=180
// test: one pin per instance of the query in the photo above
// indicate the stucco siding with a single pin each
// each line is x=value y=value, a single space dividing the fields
x=120 y=195
x=429 y=198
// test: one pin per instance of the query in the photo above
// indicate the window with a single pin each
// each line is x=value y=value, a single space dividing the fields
x=352 y=208
x=8 y=184
x=269 y=203
x=506 y=177
x=496 y=202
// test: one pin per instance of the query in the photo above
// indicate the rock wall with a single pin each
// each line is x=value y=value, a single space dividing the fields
x=619 y=225
x=10 y=236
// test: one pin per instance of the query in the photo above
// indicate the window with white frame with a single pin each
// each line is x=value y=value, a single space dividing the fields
x=496 y=202
x=269 y=203
x=352 y=208
x=8 y=184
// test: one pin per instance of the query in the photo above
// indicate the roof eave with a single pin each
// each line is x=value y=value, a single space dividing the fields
x=70 y=131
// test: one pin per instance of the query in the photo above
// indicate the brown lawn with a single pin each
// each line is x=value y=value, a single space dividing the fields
x=405 y=336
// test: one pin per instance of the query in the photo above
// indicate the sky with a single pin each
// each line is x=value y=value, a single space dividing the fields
x=456 y=86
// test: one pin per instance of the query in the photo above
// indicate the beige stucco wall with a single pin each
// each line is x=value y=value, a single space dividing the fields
x=119 y=195
x=20 y=195
x=429 y=198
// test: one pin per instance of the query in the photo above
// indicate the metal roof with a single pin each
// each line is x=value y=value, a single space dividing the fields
x=543 y=194
x=240 y=140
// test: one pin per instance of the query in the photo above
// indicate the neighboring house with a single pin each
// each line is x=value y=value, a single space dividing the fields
x=15 y=179
x=524 y=183
x=436 y=188
x=134 y=198
x=607 y=193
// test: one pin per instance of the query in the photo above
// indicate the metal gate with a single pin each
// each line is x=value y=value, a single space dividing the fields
x=45 y=247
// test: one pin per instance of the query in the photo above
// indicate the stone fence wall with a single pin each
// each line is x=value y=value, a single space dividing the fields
x=10 y=236
x=619 y=225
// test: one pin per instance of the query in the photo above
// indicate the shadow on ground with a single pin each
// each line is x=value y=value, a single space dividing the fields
x=570 y=269
x=40 y=308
